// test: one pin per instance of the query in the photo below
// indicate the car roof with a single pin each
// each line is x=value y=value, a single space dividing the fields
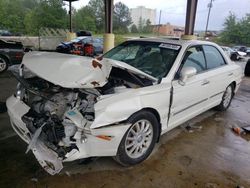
x=176 y=42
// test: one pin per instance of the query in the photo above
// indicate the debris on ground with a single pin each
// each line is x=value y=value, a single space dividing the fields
x=238 y=186
x=246 y=129
x=67 y=173
x=243 y=132
x=34 y=179
x=211 y=185
x=238 y=130
x=190 y=128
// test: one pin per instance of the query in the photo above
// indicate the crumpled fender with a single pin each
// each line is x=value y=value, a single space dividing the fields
x=121 y=106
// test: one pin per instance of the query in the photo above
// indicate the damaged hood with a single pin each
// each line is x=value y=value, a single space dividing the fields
x=71 y=71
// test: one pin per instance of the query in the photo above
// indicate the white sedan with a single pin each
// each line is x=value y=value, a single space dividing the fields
x=69 y=107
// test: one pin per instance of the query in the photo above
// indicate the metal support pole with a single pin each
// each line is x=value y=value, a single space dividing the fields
x=108 y=36
x=159 y=23
x=109 y=6
x=190 y=16
x=208 y=15
x=70 y=16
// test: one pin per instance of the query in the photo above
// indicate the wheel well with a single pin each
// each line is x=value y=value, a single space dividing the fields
x=157 y=115
x=234 y=85
x=6 y=58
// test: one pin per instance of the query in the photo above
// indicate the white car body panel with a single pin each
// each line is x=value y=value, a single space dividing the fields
x=76 y=71
x=200 y=93
x=108 y=109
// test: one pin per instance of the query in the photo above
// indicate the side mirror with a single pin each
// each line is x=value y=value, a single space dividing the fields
x=186 y=73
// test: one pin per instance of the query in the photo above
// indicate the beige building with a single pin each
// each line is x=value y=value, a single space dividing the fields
x=144 y=13
x=168 y=30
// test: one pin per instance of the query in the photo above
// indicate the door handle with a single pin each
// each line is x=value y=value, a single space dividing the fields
x=205 y=82
x=230 y=74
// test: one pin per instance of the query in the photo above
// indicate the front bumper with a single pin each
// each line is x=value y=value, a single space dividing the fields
x=47 y=158
x=92 y=146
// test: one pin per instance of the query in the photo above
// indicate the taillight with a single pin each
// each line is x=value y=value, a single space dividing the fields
x=19 y=55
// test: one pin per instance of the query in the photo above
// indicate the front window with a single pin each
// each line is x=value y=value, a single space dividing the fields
x=153 y=58
x=194 y=57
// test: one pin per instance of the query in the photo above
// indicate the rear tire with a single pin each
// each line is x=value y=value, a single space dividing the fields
x=138 y=142
x=234 y=57
x=247 y=68
x=226 y=99
x=3 y=64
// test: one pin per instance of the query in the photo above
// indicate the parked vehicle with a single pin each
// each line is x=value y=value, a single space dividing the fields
x=240 y=48
x=10 y=53
x=233 y=54
x=77 y=46
x=248 y=51
x=71 y=107
x=83 y=33
x=5 y=33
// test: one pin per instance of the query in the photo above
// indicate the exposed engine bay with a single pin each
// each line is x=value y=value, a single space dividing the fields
x=55 y=111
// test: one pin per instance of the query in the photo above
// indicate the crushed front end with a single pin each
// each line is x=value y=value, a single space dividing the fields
x=51 y=119
x=54 y=107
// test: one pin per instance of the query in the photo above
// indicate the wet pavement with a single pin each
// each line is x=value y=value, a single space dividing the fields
x=208 y=155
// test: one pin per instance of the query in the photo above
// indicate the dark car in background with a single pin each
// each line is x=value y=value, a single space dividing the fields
x=233 y=54
x=248 y=51
x=10 y=53
x=5 y=33
x=79 y=44
x=240 y=48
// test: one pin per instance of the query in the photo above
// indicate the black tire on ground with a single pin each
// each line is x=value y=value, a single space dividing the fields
x=226 y=99
x=234 y=57
x=247 y=68
x=3 y=64
x=138 y=118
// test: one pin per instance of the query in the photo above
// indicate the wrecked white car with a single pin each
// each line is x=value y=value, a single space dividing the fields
x=70 y=107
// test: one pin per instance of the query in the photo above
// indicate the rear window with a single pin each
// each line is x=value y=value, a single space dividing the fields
x=213 y=57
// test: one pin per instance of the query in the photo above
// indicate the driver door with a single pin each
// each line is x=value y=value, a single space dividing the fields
x=191 y=97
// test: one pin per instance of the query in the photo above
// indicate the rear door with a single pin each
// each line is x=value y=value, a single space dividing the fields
x=219 y=74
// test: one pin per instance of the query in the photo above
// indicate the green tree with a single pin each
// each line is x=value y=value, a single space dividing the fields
x=84 y=19
x=97 y=8
x=48 y=13
x=121 y=18
x=244 y=25
x=141 y=24
x=147 y=28
x=134 y=29
x=231 y=30
x=11 y=15
x=236 y=31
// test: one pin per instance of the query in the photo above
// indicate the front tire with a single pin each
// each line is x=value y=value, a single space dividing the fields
x=3 y=64
x=138 y=142
x=226 y=99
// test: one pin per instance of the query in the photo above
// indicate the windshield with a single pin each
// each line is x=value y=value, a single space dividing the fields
x=153 y=58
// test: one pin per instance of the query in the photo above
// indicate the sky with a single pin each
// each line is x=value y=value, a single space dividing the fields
x=174 y=11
